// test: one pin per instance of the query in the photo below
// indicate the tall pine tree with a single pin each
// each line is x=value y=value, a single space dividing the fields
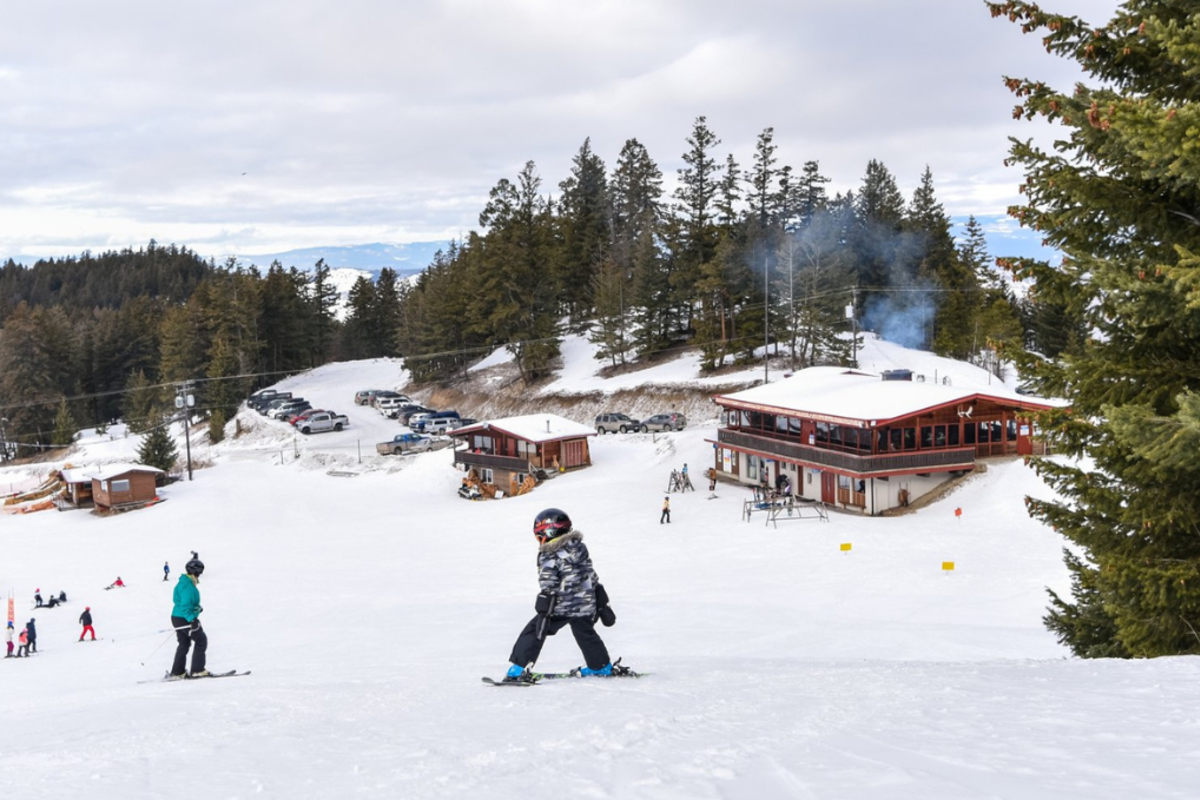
x=1119 y=197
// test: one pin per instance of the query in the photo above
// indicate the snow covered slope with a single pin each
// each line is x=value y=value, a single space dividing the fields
x=369 y=607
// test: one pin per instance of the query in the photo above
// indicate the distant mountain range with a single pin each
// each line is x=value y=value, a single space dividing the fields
x=405 y=259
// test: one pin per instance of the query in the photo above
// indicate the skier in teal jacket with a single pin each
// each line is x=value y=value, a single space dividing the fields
x=185 y=619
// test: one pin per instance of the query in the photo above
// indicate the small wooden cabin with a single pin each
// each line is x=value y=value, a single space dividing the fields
x=119 y=486
x=505 y=452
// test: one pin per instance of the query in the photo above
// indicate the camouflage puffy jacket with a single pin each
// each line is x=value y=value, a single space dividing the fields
x=565 y=569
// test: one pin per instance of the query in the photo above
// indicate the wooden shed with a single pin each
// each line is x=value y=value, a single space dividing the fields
x=504 y=452
x=121 y=486
x=78 y=486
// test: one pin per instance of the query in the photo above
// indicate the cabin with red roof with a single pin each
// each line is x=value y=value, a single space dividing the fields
x=504 y=453
x=866 y=442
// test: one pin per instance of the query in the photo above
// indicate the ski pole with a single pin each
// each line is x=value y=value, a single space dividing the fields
x=164 y=641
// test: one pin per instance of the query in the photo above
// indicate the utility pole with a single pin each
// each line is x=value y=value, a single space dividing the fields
x=766 y=318
x=184 y=401
x=853 y=327
x=4 y=439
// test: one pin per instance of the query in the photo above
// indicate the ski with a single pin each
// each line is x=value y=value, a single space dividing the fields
x=618 y=672
x=233 y=673
x=494 y=682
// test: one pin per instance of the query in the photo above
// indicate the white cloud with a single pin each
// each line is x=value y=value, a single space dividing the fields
x=124 y=121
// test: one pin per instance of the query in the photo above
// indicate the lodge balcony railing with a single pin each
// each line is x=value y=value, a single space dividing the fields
x=960 y=458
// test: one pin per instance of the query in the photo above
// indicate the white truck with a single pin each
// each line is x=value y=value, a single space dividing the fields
x=323 y=421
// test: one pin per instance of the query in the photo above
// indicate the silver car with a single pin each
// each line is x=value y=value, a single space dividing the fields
x=617 y=423
x=665 y=422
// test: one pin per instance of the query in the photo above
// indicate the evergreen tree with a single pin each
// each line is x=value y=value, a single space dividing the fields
x=611 y=331
x=586 y=224
x=322 y=300
x=810 y=195
x=158 y=449
x=65 y=426
x=1118 y=196
x=143 y=404
x=385 y=313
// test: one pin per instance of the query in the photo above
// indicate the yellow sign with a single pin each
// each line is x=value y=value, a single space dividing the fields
x=845 y=546
x=948 y=566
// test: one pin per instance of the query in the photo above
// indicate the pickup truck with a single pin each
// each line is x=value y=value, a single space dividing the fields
x=323 y=421
x=403 y=443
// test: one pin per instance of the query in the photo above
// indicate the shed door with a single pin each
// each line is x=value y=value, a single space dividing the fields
x=572 y=454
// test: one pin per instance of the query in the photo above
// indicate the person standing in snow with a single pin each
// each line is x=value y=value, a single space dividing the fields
x=85 y=619
x=166 y=571
x=37 y=598
x=23 y=641
x=571 y=594
x=666 y=511
x=185 y=619
x=31 y=629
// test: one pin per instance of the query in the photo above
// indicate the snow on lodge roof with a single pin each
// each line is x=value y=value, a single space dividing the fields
x=537 y=428
x=845 y=396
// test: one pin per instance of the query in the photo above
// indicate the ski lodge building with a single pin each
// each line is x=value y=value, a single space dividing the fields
x=505 y=452
x=865 y=442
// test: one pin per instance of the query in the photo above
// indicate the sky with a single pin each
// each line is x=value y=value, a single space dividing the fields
x=262 y=127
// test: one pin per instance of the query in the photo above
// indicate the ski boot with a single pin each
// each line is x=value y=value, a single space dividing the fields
x=519 y=674
x=604 y=672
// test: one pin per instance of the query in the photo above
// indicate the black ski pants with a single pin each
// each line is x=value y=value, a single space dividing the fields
x=186 y=638
x=529 y=646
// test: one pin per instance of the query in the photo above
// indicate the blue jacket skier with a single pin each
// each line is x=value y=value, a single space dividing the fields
x=185 y=619
x=569 y=590
x=32 y=636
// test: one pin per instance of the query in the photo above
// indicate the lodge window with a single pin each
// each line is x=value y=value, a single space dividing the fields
x=927 y=436
x=752 y=467
x=118 y=486
x=483 y=443
x=910 y=438
x=485 y=475
x=526 y=450
x=823 y=432
x=952 y=436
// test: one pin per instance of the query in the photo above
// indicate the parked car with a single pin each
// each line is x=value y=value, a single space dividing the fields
x=407 y=414
x=289 y=413
x=363 y=397
x=389 y=406
x=288 y=407
x=414 y=420
x=436 y=424
x=423 y=423
x=614 y=423
x=264 y=396
x=403 y=443
x=388 y=394
x=323 y=421
x=273 y=404
x=303 y=415
x=665 y=422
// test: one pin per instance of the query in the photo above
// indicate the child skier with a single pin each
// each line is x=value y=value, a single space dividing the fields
x=118 y=583
x=23 y=641
x=31 y=630
x=166 y=571
x=666 y=511
x=569 y=591
x=37 y=598
x=185 y=619
x=85 y=619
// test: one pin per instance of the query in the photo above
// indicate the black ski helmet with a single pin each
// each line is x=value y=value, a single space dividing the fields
x=195 y=567
x=550 y=524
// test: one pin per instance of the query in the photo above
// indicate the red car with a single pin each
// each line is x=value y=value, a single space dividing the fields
x=303 y=413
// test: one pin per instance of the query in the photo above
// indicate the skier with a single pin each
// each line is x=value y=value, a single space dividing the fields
x=62 y=597
x=569 y=592
x=185 y=619
x=32 y=630
x=8 y=634
x=37 y=598
x=23 y=640
x=712 y=479
x=166 y=571
x=85 y=619
x=666 y=511
x=117 y=583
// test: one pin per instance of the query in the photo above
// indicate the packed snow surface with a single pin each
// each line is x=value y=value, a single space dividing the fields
x=368 y=599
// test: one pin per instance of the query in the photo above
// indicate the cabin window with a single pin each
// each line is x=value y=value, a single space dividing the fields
x=897 y=441
x=969 y=433
x=485 y=475
x=119 y=486
x=910 y=438
x=794 y=426
x=926 y=436
x=1012 y=430
x=752 y=467
x=952 y=435
x=843 y=481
